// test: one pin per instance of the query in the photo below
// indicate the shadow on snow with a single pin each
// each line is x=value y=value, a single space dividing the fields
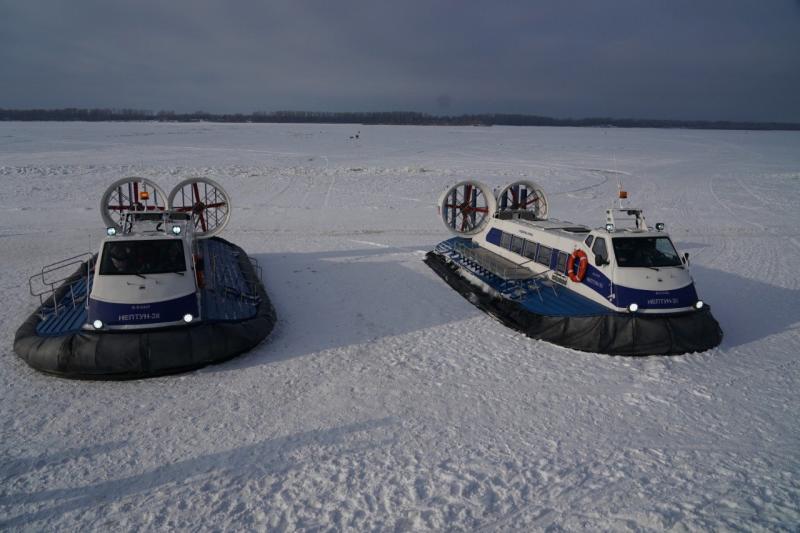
x=336 y=299
x=340 y=298
x=747 y=310
x=253 y=462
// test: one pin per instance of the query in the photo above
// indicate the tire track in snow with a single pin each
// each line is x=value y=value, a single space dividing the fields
x=587 y=187
x=309 y=186
x=328 y=194
x=182 y=147
x=279 y=194
x=730 y=209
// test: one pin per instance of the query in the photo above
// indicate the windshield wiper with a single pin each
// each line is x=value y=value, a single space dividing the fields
x=140 y=275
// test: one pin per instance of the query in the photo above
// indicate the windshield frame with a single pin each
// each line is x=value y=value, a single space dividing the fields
x=140 y=249
x=624 y=251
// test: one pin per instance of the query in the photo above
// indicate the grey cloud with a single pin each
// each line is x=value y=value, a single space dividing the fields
x=717 y=59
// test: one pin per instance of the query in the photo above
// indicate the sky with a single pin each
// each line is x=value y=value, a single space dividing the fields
x=661 y=59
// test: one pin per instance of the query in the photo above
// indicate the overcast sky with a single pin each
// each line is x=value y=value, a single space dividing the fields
x=681 y=59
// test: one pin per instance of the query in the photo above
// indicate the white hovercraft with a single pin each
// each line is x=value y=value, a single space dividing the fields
x=163 y=294
x=619 y=289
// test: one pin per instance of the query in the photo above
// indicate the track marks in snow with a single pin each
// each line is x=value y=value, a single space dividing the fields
x=369 y=243
x=729 y=206
x=603 y=180
x=328 y=194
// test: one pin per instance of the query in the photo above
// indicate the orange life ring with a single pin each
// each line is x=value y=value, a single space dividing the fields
x=583 y=264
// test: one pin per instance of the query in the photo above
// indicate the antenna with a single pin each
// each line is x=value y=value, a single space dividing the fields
x=89 y=270
x=621 y=194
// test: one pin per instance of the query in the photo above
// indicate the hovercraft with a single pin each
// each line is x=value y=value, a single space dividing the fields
x=621 y=289
x=163 y=294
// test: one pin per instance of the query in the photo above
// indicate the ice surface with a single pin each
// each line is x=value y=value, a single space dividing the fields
x=383 y=400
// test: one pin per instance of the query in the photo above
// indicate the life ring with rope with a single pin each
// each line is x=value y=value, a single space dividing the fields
x=583 y=263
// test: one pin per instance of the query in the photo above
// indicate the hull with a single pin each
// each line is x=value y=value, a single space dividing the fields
x=576 y=324
x=232 y=326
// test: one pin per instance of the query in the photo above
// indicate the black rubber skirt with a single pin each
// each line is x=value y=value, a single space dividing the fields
x=145 y=353
x=612 y=334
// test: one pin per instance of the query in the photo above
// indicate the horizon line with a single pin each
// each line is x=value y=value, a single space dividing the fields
x=97 y=114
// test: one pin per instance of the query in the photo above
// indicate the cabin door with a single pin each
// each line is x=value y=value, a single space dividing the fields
x=603 y=262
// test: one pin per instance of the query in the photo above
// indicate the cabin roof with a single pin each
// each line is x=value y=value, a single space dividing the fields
x=569 y=230
x=578 y=232
x=553 y=224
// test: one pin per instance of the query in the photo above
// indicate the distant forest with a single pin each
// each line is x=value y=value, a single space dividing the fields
x=392 y=117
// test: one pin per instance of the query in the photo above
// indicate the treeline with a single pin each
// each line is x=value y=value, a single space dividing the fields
x=392 y=117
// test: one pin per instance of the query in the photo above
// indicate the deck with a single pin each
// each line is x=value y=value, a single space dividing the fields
x=226 y=295
x=535 y=293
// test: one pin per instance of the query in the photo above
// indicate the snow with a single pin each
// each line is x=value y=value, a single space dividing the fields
x=383 y=400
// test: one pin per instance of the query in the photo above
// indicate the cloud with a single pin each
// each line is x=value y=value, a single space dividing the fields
x=719 y=59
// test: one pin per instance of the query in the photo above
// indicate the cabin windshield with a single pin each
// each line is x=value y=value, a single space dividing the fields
x=645 y=252
x=126 y=257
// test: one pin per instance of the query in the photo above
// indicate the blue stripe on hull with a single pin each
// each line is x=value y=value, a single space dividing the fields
x=645 y=299
x=677 y=298
x=118 y=314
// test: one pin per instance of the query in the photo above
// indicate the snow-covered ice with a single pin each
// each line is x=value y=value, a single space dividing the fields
x=384 y=400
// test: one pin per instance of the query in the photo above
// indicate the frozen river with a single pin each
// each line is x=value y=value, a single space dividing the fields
x=383 y=400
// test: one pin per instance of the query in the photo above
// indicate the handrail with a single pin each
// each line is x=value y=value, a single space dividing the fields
x=49 y=282
x=505 y=269
x=232 y=285
x=496 y=267
x=257 y=268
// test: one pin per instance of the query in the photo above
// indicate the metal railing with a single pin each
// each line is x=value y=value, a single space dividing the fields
x=500 y=266
x=50 y=279
x=516 y=280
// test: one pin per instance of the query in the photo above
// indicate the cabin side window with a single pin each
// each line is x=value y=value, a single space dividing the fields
x=588 y=241
x=599 y=249
x=517 y=244
x=493 y=237
x=530 y=250
x=561 y=264
x=543 y=257
x=505 y=240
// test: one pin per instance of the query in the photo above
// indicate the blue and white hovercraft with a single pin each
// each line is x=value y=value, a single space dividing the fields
x=163 y=294
x=621 y=289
